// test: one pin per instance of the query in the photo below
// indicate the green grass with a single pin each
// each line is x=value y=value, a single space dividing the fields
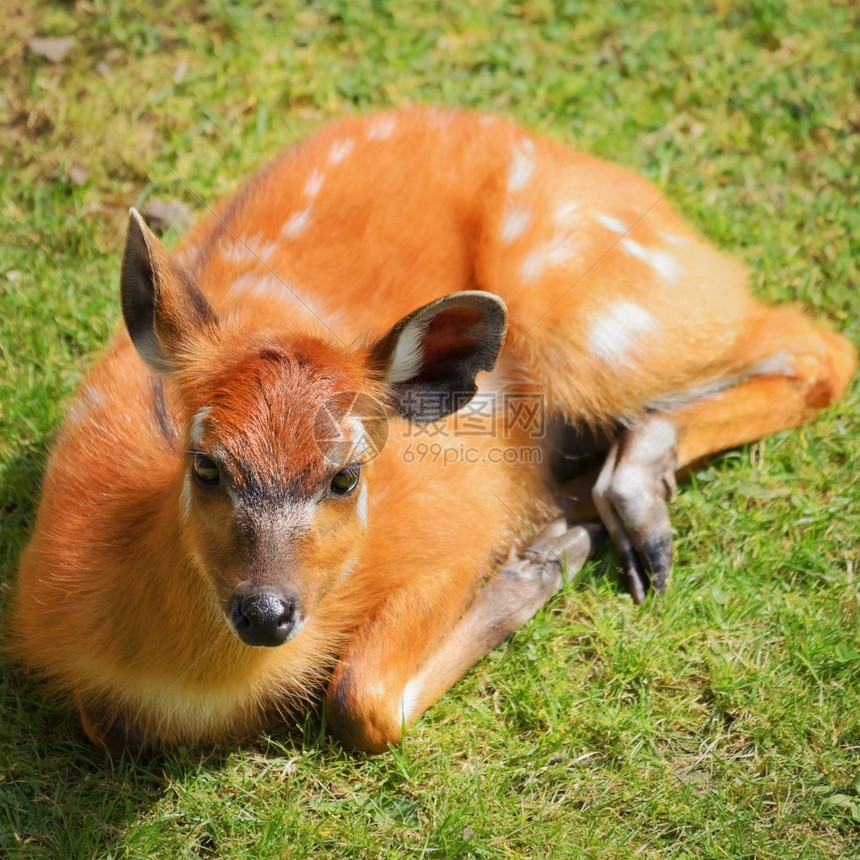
x=722 y=720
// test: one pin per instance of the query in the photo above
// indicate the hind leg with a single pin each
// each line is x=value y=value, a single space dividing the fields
x=638 y=478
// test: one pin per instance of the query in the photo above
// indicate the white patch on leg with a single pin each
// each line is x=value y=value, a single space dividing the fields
x=779 y=364
x=616 y=334
x=409 y=700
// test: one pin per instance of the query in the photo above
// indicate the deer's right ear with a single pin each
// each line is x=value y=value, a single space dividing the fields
x=163 y=308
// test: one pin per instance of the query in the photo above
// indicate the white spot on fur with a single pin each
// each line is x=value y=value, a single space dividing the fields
x=254 y=248
x=522 y=165
x=293 y=297
x=260 y=247
x=662 y=262
x=244 y=282
x=615 y=334
x=565 y=211
x=381 y=128
x=440 y=118
x=515 y=223
x=672 y=239
x=314 y=183
x=340 y=149
x=559 y=250
x=298 y=223
x=533 y=266
x=408 y=355
x=612 y=223
x=234 y=251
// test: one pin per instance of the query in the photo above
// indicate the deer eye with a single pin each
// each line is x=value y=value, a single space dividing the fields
x=205 y=470
x=345 y=480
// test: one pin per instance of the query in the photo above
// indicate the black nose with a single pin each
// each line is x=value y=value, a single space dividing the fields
x=263 y=617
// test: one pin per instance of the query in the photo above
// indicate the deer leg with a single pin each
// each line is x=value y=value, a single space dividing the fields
x=631 y=495
x=813 y=367
x=368 y=714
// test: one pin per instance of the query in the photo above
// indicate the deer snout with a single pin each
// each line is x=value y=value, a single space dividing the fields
x=264 y=617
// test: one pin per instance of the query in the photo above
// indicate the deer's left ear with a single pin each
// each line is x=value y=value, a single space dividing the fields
x=430 y=359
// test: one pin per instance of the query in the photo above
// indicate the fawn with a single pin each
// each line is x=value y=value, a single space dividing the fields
x=217 y=545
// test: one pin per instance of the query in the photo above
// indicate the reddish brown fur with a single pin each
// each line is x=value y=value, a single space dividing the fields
x=122 y=595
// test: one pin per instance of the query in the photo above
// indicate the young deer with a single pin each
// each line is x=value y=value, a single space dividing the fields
x=216 y=546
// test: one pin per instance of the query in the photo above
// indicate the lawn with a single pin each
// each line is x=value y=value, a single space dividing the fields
x=720 y=720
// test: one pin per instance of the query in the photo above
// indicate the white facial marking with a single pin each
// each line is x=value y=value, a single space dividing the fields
x=314 y=183
x=357 y=435
x=297 y=223
x=340 y=149
x=408 y=355
x=615 y=334
x=515 y=224
x=522 y=165
x=185 y=497
x=348 y=568
x=381 y=128
x=662 y=262
x=612 y=223
x=361 y=505
x=198 y=425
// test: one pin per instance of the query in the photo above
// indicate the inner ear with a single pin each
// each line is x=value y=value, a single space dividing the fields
x=431 y=357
